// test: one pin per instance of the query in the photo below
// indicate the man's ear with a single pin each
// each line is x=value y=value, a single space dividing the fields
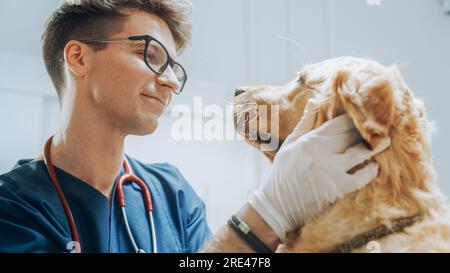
x=75 y=56
x=371 y=105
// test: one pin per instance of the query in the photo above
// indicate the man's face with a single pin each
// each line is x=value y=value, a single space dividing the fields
x=124 y=91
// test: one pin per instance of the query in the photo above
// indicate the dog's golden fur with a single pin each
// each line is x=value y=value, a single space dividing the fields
x=381 y=105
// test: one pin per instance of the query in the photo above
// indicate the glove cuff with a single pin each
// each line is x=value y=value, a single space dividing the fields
x=264 y=208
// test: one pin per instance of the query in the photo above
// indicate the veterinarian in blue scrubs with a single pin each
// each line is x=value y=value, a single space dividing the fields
x=113 y=66
x=122 y=78
x=33 y=220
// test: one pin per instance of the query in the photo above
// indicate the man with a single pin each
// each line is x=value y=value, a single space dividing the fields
x=113 y=65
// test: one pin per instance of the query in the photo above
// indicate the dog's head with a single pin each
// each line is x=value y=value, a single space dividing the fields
x=374 y=96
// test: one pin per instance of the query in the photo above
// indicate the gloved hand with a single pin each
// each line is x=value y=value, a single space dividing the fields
x=310 y=172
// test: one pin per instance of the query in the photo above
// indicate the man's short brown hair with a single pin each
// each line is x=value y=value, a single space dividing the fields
x=94 y=19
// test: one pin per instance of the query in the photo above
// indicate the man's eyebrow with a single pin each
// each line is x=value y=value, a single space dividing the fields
x=142 y=46
x=137 y=45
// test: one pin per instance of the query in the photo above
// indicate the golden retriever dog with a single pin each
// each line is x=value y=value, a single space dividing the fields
x=402 y=210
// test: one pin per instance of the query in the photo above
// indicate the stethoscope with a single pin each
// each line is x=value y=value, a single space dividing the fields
x=127 y=178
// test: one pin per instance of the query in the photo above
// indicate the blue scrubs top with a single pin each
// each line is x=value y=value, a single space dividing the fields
x=32 y=218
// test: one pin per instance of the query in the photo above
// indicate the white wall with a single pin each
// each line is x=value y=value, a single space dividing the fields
x=237 y=42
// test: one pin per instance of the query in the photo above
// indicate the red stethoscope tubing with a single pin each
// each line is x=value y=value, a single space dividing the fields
x=62 y=197
x=127 y=178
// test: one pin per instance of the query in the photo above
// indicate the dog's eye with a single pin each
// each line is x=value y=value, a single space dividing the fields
x=301 y=79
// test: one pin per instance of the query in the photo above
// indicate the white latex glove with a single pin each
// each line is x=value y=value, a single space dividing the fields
x=310 y=172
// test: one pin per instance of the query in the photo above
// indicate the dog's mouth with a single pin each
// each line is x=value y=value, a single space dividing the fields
x=263 y=138
x=258 y=121
x=254 y=135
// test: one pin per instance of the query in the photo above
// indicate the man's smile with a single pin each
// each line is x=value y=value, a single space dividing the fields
x=158 y=102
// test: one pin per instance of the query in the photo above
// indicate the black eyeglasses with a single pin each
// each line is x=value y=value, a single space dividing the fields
x=156 y=57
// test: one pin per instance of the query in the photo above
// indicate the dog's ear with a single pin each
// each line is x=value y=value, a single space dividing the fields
x=369 y=101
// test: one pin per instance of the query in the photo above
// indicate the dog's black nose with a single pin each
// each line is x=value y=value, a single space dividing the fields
x=239 y=91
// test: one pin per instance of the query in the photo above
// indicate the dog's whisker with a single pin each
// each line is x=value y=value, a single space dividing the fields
x=299 y=46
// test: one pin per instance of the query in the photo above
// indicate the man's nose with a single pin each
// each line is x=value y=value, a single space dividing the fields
x=240 y=90
x=169 y=79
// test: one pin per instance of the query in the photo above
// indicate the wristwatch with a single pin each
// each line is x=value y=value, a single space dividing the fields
x=247 y=235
